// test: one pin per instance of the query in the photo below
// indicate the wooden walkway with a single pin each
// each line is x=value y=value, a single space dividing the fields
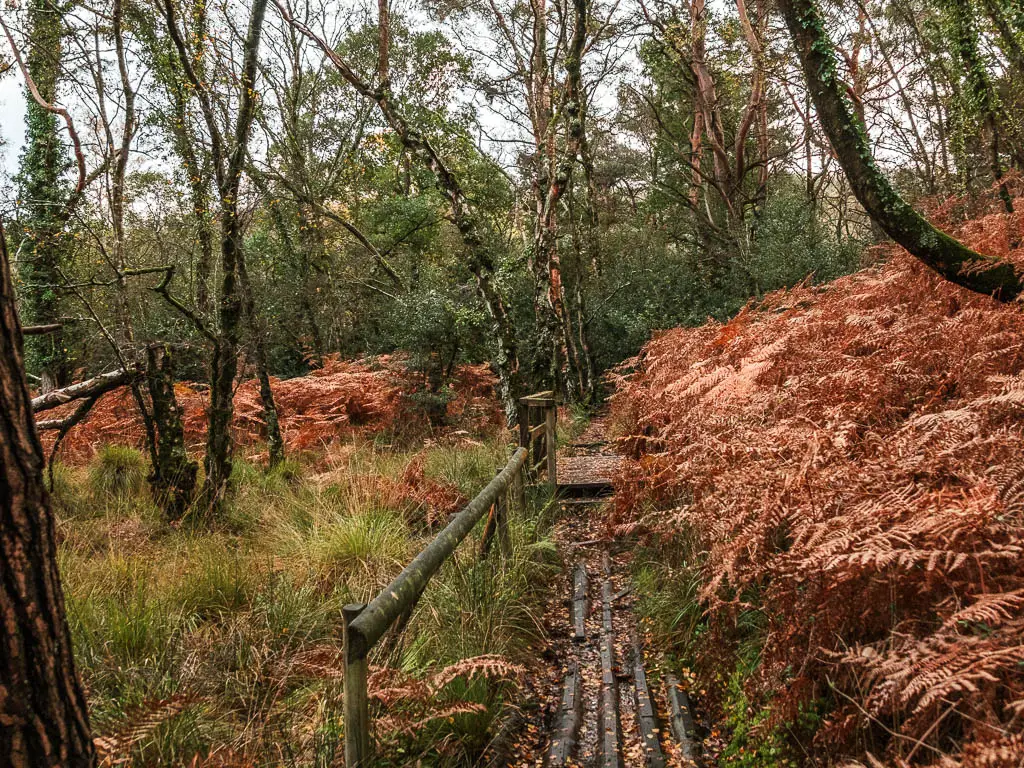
x=601 y=709
x=587 y=467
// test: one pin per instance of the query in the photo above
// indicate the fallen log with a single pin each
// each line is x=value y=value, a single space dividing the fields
x=91 y=388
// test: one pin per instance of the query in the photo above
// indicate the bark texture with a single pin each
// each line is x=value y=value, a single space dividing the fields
x=43 y=718
x=174 y=475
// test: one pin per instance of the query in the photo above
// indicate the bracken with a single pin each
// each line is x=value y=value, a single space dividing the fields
x=851 y=460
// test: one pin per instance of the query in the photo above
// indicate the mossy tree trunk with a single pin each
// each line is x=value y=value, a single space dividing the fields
x=44 y=722
x=173 y=478
x=978 y=94
x=219 y=445
x=228 y=159
x=849 y=139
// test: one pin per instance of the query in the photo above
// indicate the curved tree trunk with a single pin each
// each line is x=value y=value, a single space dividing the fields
x=43 y=717
x=947 y=256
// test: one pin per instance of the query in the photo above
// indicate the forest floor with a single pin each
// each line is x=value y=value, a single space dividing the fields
x=220 y=647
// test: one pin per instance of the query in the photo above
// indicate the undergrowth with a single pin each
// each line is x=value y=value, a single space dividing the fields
x=223 y=647
x=846 y=459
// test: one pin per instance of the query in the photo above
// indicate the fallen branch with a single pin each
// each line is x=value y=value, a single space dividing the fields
x=41 y=330
x=90 y=388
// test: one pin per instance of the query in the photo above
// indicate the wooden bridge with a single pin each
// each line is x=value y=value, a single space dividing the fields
x=580 y=471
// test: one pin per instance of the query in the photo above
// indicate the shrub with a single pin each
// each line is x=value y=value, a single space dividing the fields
x=848 y=459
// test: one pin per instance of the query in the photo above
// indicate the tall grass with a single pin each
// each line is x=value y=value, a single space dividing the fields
x=242 y=625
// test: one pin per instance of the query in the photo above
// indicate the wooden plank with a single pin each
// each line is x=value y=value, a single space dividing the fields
x=608 y=740
x=583 y=471
x=539 y=398
x=647 y=718
x=682 y=722
x=570 y=714
x=579 y=603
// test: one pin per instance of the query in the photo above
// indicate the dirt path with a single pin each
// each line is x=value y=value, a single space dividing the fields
x=601 y=705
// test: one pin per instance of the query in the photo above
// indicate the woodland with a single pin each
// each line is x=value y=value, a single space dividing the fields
x=275 y=276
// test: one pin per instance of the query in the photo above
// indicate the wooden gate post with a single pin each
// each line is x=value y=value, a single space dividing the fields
x=524 y=424
x=551 y=412
x=356 y=702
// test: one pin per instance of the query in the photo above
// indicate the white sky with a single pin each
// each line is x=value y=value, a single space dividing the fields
x=12 y=121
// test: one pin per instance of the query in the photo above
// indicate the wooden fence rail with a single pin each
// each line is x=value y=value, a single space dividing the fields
x=366 y=624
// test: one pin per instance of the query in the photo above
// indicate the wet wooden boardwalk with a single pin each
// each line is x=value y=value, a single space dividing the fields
x=588 y=466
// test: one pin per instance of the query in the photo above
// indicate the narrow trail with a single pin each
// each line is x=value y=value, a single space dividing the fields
x=601 y=706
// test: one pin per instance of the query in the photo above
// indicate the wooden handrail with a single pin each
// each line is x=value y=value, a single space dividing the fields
x=366 y=625
x=387 y=606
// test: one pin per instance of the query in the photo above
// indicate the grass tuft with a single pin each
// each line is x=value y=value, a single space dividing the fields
x=117 y=471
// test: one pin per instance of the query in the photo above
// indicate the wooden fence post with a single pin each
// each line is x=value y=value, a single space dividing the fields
x=537 y=448
x=549 y=440
x=491 y=524
x=356 y=702
x=501 y=521
x=524 y=424
x=519 y=490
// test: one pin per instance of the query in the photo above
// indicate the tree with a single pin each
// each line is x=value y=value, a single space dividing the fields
x=43 y=716
x=848 y=136
x=42 y=245
x=480 y=243
x=229 y=161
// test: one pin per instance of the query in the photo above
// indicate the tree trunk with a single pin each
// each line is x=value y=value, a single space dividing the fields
x=982 y=98
x=947 y=256
x=173 y=479
x=275 y=443
x=44 y=722
x=224 y=366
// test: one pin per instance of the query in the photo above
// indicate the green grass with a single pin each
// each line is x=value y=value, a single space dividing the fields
x=229 y=618
x=667 y=579
x=117 y=471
